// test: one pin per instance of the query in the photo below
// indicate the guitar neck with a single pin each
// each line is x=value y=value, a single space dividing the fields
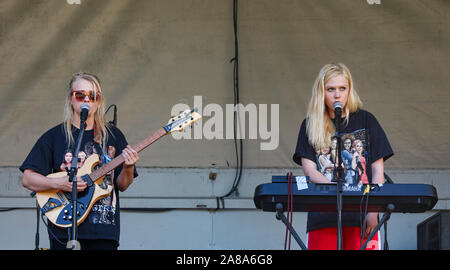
x=116 y=162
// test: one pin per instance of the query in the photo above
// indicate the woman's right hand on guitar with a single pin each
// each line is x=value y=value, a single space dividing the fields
x=37 y=182
x=64 y=184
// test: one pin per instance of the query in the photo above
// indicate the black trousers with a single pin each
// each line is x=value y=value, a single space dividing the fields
x=86 y=244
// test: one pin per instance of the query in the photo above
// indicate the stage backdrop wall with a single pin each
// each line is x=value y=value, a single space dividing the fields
x=153 y=54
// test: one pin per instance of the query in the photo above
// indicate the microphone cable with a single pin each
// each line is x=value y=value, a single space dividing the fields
x=114 y=121
x=361 y=220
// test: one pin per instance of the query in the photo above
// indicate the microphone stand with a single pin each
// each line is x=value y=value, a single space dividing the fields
x=73 y=243
x=339 y=177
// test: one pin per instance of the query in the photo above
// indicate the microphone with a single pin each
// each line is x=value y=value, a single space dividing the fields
x=84 y=112
x=337 y=110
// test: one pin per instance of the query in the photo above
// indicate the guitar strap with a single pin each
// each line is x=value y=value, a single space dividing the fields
x=101 y=155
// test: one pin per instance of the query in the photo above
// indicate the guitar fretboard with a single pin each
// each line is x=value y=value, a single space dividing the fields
x=97 y=174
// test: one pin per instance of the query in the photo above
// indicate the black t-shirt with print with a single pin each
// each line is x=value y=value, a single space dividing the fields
x=52 y=154
x=364 y=142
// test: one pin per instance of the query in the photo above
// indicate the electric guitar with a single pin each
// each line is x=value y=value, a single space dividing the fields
x=56 y=204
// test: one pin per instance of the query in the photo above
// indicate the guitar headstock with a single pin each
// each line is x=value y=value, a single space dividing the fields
x=183 y=120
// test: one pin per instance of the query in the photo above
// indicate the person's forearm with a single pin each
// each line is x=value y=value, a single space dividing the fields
x=316 y=177
x=37 y=182
x=310 y=170
x=125 y=178
x=378 y=171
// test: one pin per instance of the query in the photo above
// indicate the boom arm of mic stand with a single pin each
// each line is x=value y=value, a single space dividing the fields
x=384 y=219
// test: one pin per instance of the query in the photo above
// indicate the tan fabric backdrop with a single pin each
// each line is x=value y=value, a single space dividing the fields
x=153 y=54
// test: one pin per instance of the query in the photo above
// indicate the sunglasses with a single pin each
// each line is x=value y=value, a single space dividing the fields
x=82 y=94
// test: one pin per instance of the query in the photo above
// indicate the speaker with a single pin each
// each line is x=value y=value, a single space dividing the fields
x=434 y=232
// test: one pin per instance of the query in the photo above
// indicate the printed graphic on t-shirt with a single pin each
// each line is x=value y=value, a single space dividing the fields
x=103 y=211
x=355 y=157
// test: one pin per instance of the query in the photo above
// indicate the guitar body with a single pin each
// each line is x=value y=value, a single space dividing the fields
x=56 y=205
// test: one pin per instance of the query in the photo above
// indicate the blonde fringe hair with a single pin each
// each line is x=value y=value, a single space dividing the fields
x=319 y=126
x=100 y=124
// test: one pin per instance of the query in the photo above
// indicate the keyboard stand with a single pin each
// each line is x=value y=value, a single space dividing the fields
x=280 y=216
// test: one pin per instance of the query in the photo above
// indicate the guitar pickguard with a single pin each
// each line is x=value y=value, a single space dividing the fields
x=66 y=215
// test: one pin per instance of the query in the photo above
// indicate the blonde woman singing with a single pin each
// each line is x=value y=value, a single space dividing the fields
x=333 y=84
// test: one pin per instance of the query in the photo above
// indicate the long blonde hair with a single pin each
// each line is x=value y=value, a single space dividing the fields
x=320 y=127
x=100 y=124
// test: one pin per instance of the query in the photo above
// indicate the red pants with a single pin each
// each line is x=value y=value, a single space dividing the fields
x=326 y=239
